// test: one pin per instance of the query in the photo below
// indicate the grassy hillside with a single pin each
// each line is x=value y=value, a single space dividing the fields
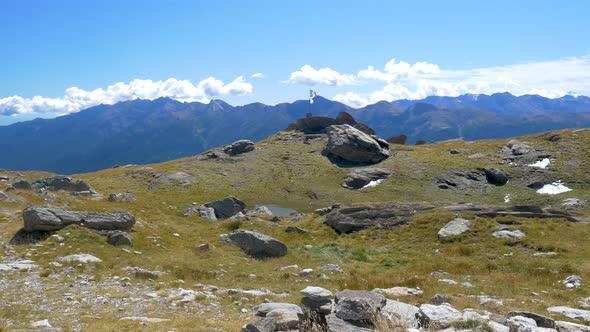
x=286 y=170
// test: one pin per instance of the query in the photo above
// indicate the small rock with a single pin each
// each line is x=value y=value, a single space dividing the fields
x=398 y=291
x=239 y=147
x=264 y=308
x=333 y=268
x=295 y=229
x=508 y=234
x=203 y=247
x=146 y=319
x=122 y=197
x=41 y=323
x=305 y=272
x=317 y=293
x=572 y=281
x=257 y=244
x=119 y=238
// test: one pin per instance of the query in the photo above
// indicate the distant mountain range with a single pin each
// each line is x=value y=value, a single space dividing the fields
x=143 y=131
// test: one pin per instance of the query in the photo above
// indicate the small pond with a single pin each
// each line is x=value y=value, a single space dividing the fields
x=279 y=211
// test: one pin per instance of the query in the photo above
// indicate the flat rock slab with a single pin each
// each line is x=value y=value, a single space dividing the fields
x=571 y=312
x=51 y=218
x=441 y=315
x=398 y=291
x=316 y=293
x=508 y=234
x=146 y=319
x=264 y=308
x=386 y=215
x=21 y=265
x=454 y=227
x=350 y=144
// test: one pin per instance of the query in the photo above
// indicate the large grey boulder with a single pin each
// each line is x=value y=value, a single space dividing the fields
x=257 y=244
x=21 y=184
x=227 y=207
x=441 y=316
x=51 y=218
x=403 y=314
x=360 y=178
x=454 y=227
x=284 y=319
x=260 y=325
x=356 y=305
x=471 y=178
x=239 y=147
x=350 y=144
x=316 y=293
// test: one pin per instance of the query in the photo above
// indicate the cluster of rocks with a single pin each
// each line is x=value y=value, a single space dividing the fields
x=227 y=208
x=236 y=148
x=459 y=226
x=122 y=197
x=471 y=178
x=56 y=183
x=521 y=153
x=353 y=310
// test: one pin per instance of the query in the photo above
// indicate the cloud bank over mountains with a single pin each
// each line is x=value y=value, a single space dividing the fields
x=393 y=81
x=76 y=99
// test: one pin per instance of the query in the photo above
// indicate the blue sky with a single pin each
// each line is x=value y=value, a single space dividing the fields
x=62 y=51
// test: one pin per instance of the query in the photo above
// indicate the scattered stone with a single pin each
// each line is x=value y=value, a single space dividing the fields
x=439 y=299
x=360 y=178
x=237 y=216
x=454 y=227
x=145 y=273
x=478 y=155
x=448 y=281
x=333 y=268
x=203 y=247
x=80 y=258
x=260 y=210
x=65 y=183
x=441 y=316
x=572 y=281
x=350 y=144
x=146 y=319
x=508 y=234
x=552 y=137
x=122 y=197
x=358 y=305
x=257 y=244
x=119 y=238
x=239 y=147
x=305 y=272
x=458 y=151
x=51 y=218
x=41 y=324
x=295 y=229
x=398 y=291
x=227 y=207
x=3 y=196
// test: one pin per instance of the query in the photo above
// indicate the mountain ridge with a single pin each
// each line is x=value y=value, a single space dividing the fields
x=149 y=131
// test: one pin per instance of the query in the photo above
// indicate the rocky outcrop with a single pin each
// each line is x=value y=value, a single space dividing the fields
x=21 y=184
x=349 y=144
x=65 y=183
x=239 y=147
x=385 y=215
x=360 y=178
x=520 y=152
x=355 y=305
x=227 y=207
x=256 y=244
x=471 y=178
x=51 y=218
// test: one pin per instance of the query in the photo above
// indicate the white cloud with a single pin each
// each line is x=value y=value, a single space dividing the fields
x=402 y=80
x=326 y=76
x=76 y=99
x=257 y=75
x=351 y=99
